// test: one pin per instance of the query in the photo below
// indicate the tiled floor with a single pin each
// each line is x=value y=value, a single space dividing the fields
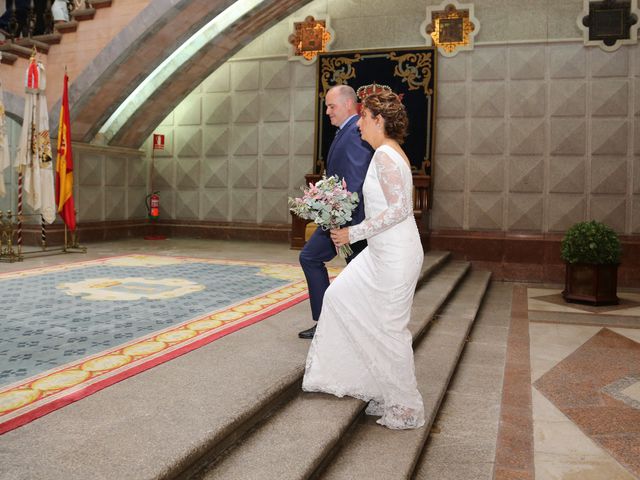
x=572 y=376
x=585 y=373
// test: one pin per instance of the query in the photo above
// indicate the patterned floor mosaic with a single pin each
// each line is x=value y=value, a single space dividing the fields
x=68 y=331
x=598 y=388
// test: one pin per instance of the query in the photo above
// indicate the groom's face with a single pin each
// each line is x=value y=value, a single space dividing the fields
x=337 y=108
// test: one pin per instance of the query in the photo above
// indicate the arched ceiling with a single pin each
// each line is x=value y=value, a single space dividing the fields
x=142 y=46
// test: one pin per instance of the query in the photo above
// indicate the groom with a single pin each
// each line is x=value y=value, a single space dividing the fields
x=349 y=158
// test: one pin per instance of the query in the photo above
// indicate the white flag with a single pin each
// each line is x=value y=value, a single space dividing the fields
x=34 y=157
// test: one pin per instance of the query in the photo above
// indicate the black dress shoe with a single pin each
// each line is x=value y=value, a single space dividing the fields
x=308 y=334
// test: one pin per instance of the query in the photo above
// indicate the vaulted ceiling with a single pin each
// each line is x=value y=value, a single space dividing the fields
x=161 y=28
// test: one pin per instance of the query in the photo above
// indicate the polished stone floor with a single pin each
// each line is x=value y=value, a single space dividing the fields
x=570 y=406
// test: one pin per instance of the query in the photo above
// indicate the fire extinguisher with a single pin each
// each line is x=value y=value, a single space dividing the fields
x=153 y=205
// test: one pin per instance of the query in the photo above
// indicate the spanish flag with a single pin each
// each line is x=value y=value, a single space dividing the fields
x=64 y=163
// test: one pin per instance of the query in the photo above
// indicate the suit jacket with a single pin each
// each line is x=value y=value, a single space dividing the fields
x=349 y=157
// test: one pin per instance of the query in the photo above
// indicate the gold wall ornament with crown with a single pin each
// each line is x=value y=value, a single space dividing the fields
x=451 y=27
x=309 y=38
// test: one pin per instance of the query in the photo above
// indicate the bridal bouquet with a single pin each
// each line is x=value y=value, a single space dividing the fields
x=328 y=203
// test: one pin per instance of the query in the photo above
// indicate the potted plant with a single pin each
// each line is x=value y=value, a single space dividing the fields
x=592 y=252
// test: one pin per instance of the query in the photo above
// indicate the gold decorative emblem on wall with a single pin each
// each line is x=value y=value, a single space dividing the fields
x=309 y=38
x=451 y=27
x=609 y=24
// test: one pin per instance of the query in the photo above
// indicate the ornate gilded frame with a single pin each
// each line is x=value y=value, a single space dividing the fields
x=451 y=27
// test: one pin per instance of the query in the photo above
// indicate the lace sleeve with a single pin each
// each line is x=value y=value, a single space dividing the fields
x=399 y=203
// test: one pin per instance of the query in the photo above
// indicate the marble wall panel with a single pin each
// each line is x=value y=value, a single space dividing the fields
x=214 y=204
x=609 y=64
x=452 y=100
x=635 y=221
x=608 y=174
x=215 y=172
x=609 y=209
x=609 y=97
x=189 y=112
x=527 y=62
x=115 y=171
x=451 y=136
x=527 y=98
x=137 y=172
x=449 y=173
x=216 y=140
x=273 y=206
x=245 y=75
x=244 y=205
x=454 y=69
x=488 y=99
x=275 y=105
x=188 y=141
x=91 y=169
x=568 y=98
x=448 y=210
x=526 y=174
x=275 y=172
x=527 y=136
x=487 y=136
x=188 y=174
x=486 y=173
x=218 y=81
x=90 y=203
x=525 y=212
x=187 y=204
x=568 y=61
x=216 y=108
x=243 y=172
x=115 y=203
x=486 y=211
x=275 y=74
x=274 y=138
x=489 y=63
x=567 y=174
x=136 y=206
x=564 y=210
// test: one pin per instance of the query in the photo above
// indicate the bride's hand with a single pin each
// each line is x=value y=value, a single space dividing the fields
x=340 y=236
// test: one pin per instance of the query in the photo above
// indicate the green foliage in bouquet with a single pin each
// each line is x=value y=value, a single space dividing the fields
x=591 y=242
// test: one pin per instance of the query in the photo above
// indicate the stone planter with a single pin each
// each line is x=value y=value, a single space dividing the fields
x=593 y=284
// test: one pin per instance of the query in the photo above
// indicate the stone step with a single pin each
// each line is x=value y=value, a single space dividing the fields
x=8 y=58
x=82 y=14
x=101 y=3
x=296 y=440
x=15 y=49
x=64 y=27
x=162 y=422
x=375 y=452
x=462 y=444
x=32 y=42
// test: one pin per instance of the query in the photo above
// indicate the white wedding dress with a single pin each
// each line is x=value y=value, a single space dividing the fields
x=362 y=346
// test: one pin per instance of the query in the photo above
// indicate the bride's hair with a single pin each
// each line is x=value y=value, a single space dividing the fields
x=391 y=109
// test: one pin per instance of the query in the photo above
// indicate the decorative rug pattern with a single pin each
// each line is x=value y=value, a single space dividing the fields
x=70 y=330
x=598 y=388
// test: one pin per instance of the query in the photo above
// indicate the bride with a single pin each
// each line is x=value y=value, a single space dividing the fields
x=362 y=346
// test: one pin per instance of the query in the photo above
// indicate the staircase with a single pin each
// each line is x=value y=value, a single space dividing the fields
x=319 y=436
x=242 y=415
x=22 y=47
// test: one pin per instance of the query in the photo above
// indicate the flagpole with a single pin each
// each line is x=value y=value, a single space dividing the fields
x=20 y=213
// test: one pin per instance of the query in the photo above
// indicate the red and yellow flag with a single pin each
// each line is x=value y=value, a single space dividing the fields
x=64 y=163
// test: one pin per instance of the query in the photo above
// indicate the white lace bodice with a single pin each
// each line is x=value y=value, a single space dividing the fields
x=388 y=193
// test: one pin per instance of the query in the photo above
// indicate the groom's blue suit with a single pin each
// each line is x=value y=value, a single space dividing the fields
x=349 y=157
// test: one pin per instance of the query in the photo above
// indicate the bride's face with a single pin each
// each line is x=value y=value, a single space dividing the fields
x=369 y=126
